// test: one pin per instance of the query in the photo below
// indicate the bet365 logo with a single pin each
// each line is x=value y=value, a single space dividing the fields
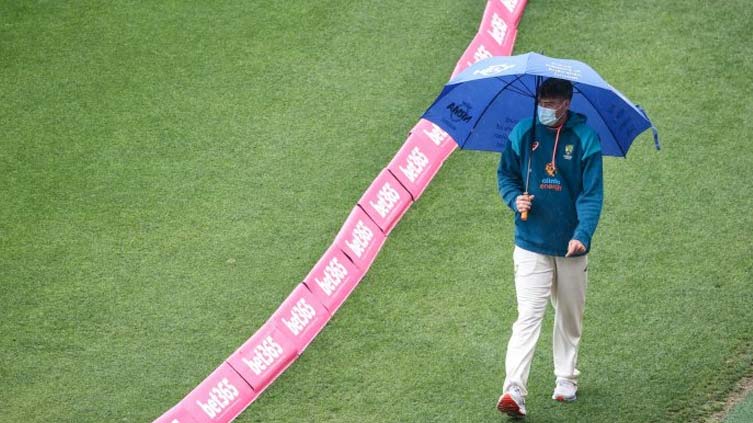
x=220 y=397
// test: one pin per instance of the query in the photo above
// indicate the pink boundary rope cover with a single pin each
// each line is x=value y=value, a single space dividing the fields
x=256 y=364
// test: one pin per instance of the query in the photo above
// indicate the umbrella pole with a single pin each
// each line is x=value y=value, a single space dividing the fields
x=524 y=215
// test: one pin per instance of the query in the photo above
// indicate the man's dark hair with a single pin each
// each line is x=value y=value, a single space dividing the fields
x=556 y=88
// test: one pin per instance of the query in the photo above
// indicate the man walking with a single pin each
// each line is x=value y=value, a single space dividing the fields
x=556 y=216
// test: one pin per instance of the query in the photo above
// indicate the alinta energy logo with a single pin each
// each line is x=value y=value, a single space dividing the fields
x=460 y=112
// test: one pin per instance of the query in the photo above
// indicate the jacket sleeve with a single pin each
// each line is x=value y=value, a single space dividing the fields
x=509 y=178
x=590 y=199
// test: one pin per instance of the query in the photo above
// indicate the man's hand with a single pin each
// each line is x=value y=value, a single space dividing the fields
x=523 y=202
x=574 y=248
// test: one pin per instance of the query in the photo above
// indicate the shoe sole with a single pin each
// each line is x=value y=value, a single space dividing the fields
x=507 y=405
x=563 y=398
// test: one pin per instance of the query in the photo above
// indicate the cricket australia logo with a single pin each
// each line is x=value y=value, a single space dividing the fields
x=569 y=152
x=460 y=112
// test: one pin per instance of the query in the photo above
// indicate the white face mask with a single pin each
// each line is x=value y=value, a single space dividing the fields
x=547 y=116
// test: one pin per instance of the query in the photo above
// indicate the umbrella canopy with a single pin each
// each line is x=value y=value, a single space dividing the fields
x=480 y=106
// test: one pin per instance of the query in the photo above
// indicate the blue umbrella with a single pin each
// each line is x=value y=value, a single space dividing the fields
x=480 y=106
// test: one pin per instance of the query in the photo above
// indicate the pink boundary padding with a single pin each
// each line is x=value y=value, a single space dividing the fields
x=385 y=201
x=219 y=398
x=499 y=29
x=420 y=158
x=300 y=317
x=484 y=45
x=264 y=357
x=510 y=10
x=414 y=166
x=333 y=278
x=360 y=239
x=496 y=34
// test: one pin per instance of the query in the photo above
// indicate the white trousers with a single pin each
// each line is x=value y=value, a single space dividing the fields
x=538 y=279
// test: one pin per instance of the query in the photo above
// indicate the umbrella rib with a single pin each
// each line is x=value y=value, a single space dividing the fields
x=609 y=128
x=527 y=91
x=489 y=105
x=524 y=92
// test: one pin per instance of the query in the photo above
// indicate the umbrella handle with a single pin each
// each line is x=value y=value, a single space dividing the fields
x=524 y=214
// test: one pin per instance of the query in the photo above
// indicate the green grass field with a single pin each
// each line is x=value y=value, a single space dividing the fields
x=171 y=170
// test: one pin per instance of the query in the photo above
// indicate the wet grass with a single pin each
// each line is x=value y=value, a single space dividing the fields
x=170 y=171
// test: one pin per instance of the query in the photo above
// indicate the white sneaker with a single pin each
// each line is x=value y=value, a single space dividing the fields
x=564 y=391
x=512 y=403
